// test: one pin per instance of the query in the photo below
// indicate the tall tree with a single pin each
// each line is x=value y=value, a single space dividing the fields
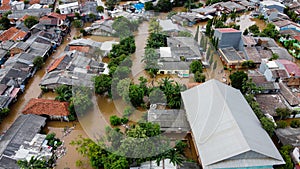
x=237 y=79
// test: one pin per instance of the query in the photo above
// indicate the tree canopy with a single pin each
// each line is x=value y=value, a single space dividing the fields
x=30 y=21
x=237 y=80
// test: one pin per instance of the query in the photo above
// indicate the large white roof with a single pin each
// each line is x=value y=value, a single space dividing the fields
x=227 y=133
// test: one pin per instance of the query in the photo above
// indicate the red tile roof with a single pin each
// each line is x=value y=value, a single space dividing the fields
x=8 y=34
x=34 y=2
x=55 y=63
x=19 y=36
x=80 y=48
x=5 y=2
x=5 y=7
x=46 y=107
x=225 y=30
x=297 y=38
x=24 y=17
x=291 y=67
x=56 y=15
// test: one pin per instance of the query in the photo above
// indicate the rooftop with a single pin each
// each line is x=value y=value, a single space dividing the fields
x=227 y=30
x=269 y=103
x=46 y=107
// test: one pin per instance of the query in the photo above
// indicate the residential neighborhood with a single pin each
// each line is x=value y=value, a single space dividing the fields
x=160 y=84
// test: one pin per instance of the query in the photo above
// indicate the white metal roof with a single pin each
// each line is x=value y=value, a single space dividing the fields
x=227 y=133
x=165 y=52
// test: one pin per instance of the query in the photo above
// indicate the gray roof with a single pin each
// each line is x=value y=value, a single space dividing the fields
x=169 y=120
x=22 y=130
x=21 y=45
x=85 y=42
x=56 y=78
x=269 y=103
x=227 y=133
x=184 y=46
x=17 y=14
x=282 y=53
x=6 y=45
x=230 y=54
x=169 y=26
x=174 y=65
x=289 y=136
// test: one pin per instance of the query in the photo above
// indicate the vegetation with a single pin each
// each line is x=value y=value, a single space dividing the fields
x=268 y=125
x=4 y=21
x=156 y=40
x=128 y=111
x=30 y=21
x=249 y=64
x=115 y=120
x=274 y=57
x=3 y=113
x=281 y=124
x=81 y=102
x=38 y=62
x=64 y=93
x=150 y=59
x=285 y=153
x=77 y=23
x=123 y=27
x=237 y=80
x=295 y=123
x=102 y=83
x=34 y=162
x=100 y=9
x=163 y=6
x=283 y=113
x=110 y=4
x=196 y=66
x=149 y=6
x=199 y=77
x=125 y=149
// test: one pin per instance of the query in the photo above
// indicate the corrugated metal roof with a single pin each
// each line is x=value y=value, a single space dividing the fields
x=224 y=126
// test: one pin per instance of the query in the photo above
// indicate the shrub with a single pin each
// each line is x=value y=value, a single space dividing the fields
x=281 y=124
x=115 y=120
x=295 y=123
x=124 y=120
x=127 y=111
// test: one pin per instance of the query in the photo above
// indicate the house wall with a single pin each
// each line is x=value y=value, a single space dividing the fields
x=172 y=72
x=228 y=39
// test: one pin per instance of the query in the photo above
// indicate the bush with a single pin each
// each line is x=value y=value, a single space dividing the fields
x=127 y=111
x=295 y=123
x=281 y=124
x=50 y=136
x=115 y=120
x=124 y=120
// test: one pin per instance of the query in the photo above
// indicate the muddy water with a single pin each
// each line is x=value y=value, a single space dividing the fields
x=69 y=160
x=245 y=20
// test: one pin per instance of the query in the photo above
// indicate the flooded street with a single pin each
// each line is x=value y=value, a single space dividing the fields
x=245 y=20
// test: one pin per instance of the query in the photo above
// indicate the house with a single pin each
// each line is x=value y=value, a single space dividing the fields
x=229 y=7
x=189 y=18
x=282 y=53
x=56 y=78
x=223 y=34
x=69 y=8
x=22 y=135
x=107 y=46
x=207 y=10
x=19 y=47
x=230 y=57
x=87 y=8
x=270 y=4
x=288 y=136
x=17 y=14
x=268 y=103
x=101 y=28
x=260 y=80
x=184 y=48
x=169 y=27
x=14 y=34
x=288 y=95
x=170 y=121
x=179 y=68
x=292 y=68
x=282 y=25
x=51 y=108
x=225 y=130
x=40 y=49
x=273 y=71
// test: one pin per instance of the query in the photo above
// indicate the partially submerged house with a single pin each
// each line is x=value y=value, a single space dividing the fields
x=230 y=57
x=49 y=108
x=224 y=34
x=226 y=131
x=22 y=141
x=169 y=120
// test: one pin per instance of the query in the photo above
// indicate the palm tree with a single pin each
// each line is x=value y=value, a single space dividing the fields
x=175 y=157
x=33 y=163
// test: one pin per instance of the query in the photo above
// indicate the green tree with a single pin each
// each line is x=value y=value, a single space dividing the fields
x=249 y=64
x=275 y=56
x=110 y=4
x=128 y=111
x=114 y=161
x=246 y=32
x=197 y=34
x=283 y=113
x=285 y=153
x=3 y=113
x=270 y=31
x=81 y=100
x=154 y=26
x=30 y=21
x=102 y=83
x=150 y=59
x=77 y=23
x=38 y=62
x=156 y=40
x=281 y=124
x=64 y=93
x=157 y=96
x=196 y=66
x=254 y=29
x=123 y=89
x=199 y=77
x=122 y=72
x=4 y=23
x=149 y=6
x=136 y=95
x=115 y=120
x=123 y=27
x=163 y=6
x=237 y=79
x=295 y=123
x=33 y=163
x=268 y=125
x=100 y=9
